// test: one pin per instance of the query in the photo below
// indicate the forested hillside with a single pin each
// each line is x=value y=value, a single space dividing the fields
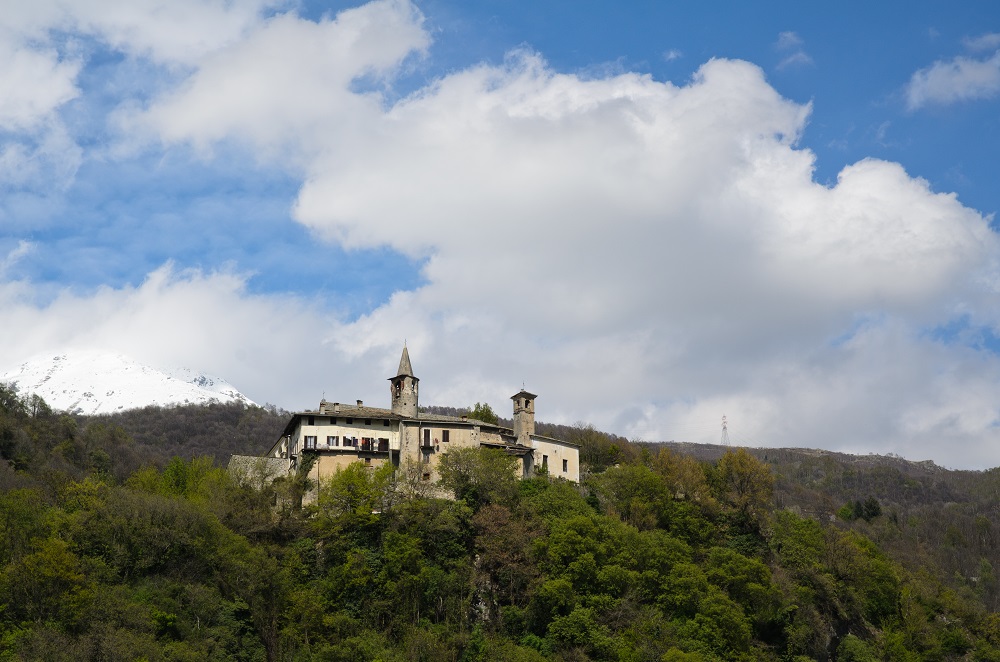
x=106 y=555
x=216 y=430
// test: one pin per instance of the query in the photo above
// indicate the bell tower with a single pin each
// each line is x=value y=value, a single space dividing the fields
x=404 y=388
x=524 y=416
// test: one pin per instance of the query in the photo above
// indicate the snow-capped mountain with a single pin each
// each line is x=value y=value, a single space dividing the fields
x=94 y=382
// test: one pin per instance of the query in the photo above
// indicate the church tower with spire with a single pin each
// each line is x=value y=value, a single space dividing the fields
x=404 y=388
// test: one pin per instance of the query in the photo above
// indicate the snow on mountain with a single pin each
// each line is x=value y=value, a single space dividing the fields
x=93 y=382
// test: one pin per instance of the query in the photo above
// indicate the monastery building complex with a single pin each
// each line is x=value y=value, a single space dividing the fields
x=338 y=434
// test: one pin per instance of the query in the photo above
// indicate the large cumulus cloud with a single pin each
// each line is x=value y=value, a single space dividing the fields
x=645 y=255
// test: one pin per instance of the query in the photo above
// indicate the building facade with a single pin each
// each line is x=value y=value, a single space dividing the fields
x=336 y=434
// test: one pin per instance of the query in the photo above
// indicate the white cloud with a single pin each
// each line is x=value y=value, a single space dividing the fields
x=14 y=255
x=985 y=42
x=796 y=59
x=33 y=83
x=645 y=256
x=634 y=250
x=951 y=81
x=43 y=48
x=44 y=160
x=791 y=43
x=169 y=31
x=174 y=318
x=788 y=40
x=289 y=79
x=672 y=54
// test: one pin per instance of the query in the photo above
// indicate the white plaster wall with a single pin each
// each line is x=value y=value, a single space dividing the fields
x=557 y=452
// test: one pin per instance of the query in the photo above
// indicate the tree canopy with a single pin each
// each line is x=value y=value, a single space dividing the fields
x=658 y=556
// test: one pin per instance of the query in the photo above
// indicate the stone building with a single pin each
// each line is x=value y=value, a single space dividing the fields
x=336 y=434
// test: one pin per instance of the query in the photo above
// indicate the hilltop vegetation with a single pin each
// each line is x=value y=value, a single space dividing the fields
x=108 y=554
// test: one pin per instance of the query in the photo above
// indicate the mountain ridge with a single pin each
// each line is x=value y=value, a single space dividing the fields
x=93 y=382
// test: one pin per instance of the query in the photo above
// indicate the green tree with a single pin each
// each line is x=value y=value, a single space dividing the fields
x=352 y=501
x=580 y=628
x=22 y=520
x=483 y=412
x=599 y=450
x=719 y=626
x=634 y=493
x=45 y=585
x=684 y=477
x=479 y=475
x=853 y=649
x=746 y=484
x=505 y=564
x=11 y=404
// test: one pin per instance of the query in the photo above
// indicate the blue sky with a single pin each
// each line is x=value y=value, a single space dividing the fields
x=650 y=216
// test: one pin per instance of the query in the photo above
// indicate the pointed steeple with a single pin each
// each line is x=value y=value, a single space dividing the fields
x=405 y=369
x=405 y=388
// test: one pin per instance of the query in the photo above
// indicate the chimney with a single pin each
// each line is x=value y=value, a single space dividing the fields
x=360 y=403
x=336 y=407
x=322 y=406
x=465 y=418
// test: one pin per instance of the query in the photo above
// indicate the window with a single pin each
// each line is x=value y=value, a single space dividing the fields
x=331 y=441
x=565 y=466
x=427 y=439
x=368 y=421
x=349 y=421
x=310 y=442
x=333 y=421
x=368 y=461
x=545 y=462
x=444 y=435
x=383 y=445
x=312 y=420
x=426 y=476
x=385 y=423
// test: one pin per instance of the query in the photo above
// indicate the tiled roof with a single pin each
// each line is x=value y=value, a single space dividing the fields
x=351 y=411
x=363 y=412
x=554 y=440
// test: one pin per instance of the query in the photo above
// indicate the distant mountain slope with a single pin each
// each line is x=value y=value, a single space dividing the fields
x=94 y=382
x=217 y=430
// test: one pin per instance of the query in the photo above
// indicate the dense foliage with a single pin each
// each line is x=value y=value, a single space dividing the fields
x=657 y=557
x=216 y=430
